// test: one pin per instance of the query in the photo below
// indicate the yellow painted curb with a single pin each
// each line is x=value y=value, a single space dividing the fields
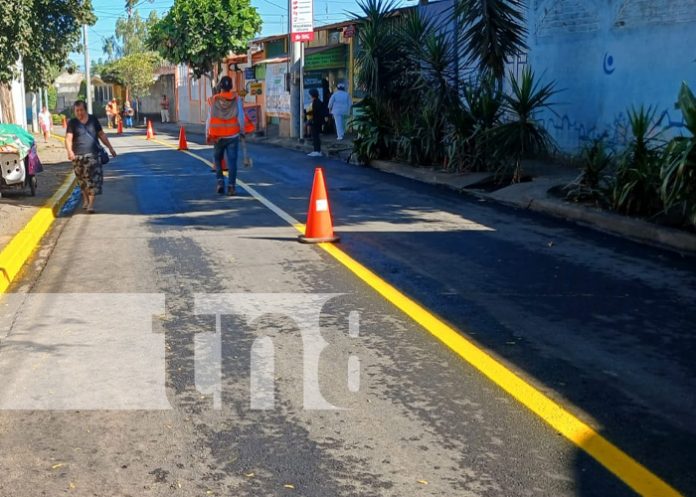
x=16 y=253
x=631 y=472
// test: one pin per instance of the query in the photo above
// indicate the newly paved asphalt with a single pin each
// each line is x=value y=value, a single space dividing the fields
x=603 y=326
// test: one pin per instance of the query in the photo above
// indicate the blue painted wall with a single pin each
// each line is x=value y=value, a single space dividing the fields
x=608 y=55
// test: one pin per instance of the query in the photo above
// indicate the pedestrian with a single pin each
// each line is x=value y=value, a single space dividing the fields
x=226 y=123
x=109 y=115
x=128 y=114
x=164 y=109
x=318 y=115
x=84 y=151
x=45 y=123
x=339 y=106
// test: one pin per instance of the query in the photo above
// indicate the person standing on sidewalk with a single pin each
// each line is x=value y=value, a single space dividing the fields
x=226 y=123
x=128 y=114
x=318 y=116
x=45 y=123
x=83 y=150
x=164 y=109
x=339 y=107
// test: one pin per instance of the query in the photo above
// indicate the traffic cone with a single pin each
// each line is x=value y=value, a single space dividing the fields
x=65 y=122
x=183 y=145
x=150 y=133
x=119 y=131
x=319 y=228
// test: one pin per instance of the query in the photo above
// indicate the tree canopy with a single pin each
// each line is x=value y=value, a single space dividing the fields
x=42 y=33
x=201 y=33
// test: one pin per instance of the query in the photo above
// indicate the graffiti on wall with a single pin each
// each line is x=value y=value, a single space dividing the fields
x=571 y=134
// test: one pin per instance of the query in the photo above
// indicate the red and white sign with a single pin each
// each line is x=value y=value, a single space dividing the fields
x=302 y=21
x=349 y=31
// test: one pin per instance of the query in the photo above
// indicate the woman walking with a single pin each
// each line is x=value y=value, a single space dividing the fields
x=84 y=152
x=45 y=123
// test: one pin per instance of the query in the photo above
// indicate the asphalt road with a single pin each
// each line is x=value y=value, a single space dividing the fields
x=105 y=394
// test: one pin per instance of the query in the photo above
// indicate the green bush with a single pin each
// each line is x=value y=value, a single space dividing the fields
x=635 y=188
x=678 y=174
x=596 y=161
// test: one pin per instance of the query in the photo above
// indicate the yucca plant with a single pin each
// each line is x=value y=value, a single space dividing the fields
x=596 y=160
x=678 y=175
x=521 y=136
x=635 y=189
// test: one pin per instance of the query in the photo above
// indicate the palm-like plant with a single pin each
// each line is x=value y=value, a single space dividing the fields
x=636 y=185
x=521 y=136
x=678 y=175
x=491 y=32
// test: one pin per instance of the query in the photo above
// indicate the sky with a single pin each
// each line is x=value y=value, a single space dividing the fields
x=273 y=13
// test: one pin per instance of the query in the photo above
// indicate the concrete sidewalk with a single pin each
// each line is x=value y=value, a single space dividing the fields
x=533 y=195
x=18 y=207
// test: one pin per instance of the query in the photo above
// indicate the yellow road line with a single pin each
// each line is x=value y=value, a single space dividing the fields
x=16 y=253
x=627 y=469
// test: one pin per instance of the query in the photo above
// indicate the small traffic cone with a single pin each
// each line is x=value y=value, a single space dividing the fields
x=65 y=122
x=319 y=227
x=150 y=133
x=183 y=145
x=119 y=131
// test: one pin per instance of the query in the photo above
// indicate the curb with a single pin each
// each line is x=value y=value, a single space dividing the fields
x=16 y=253
x=633 y=229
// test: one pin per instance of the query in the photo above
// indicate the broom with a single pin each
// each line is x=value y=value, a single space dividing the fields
x=247 y=160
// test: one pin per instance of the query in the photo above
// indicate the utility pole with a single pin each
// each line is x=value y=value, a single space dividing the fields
x=88 y=82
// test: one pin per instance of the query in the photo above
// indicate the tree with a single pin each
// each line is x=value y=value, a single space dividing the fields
x=110 y=48
x=131 y=33
x=492 y=31
x=201 y=33
x=135 y=72
x=42 y=33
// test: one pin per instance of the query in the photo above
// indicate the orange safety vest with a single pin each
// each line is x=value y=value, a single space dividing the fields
x=224 y=120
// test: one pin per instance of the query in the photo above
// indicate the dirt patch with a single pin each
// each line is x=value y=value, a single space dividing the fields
x=17 y=208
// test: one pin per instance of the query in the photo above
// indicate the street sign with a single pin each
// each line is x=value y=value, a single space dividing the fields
x=249 y=73
x=302 y=20
x=349 y=31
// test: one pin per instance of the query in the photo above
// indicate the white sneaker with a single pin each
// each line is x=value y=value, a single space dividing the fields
x=339 y=138
x=314 y=154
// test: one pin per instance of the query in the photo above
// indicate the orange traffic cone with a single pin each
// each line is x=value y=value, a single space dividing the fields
x=65 y=122
x=119 y=131
x=183 y=145
x=319 y=227
x=150 y=133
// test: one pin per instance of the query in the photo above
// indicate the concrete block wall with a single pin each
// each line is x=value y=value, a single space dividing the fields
x=609 y=55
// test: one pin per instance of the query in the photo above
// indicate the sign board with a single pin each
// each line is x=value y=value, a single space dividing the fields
x=333 y=58
x=349 y=31
x=256 y=88
x=302 y=20
x=249 y=73
x=277 y=97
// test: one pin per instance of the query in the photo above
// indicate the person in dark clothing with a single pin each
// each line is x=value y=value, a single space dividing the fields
x=318 y=115
x=81 y=143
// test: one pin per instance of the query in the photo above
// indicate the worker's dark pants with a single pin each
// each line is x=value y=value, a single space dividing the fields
x=316 y=137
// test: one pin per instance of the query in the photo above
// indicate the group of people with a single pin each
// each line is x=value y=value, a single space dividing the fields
x=114 y=114
x=226 y=125
x=318 y=113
